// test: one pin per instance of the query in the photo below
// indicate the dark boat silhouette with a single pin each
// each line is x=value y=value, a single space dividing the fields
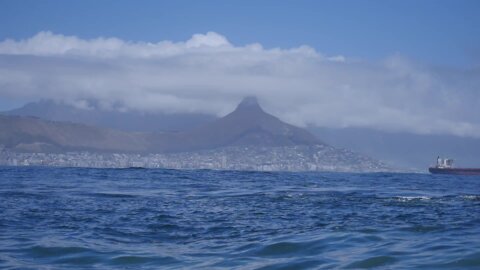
x=445 y=166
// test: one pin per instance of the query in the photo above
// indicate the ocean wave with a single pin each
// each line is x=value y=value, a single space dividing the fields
x=148 y=219
x=471 y=197
x=412 y=198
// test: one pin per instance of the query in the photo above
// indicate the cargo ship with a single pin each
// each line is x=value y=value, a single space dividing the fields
x=445 y=166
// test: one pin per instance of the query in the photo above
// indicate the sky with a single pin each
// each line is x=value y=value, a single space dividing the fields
x=409 y=66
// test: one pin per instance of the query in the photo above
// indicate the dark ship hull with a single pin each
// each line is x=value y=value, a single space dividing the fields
x=456 y=171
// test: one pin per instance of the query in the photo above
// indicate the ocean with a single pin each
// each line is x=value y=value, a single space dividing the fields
x=80 y=218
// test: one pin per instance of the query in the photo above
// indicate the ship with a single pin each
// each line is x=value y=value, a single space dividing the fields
x=445 y=166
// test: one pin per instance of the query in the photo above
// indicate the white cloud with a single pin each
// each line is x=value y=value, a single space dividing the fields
x=211 y=39
x=209 y=74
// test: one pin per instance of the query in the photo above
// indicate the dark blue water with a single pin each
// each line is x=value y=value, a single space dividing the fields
x=71 y=218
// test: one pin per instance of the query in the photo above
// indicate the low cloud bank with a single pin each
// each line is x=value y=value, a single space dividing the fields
x=208 y=74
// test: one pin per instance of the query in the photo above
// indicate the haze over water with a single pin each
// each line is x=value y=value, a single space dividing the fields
x=76 y=218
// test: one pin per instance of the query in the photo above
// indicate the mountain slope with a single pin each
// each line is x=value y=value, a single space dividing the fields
x=114 y=119
x=29 y=134
x=247 y=125
x=246 y=139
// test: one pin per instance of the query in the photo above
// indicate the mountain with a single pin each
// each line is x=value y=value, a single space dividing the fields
x=247 y=125
x=94 y=115
x=30 y=134
x=404 y=150
x=248 y=138
x=250 y=125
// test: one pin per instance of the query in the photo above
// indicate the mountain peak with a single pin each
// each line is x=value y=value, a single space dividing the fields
x=249 y=103
x=249 y=125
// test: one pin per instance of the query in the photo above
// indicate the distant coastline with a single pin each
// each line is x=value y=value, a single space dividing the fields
x=293 y=158
x=246 y=139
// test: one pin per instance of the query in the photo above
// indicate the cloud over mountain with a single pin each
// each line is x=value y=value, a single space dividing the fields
x=208 y=74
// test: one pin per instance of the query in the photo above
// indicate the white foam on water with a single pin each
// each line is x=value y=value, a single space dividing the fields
x=471 y=197
x=412 y=198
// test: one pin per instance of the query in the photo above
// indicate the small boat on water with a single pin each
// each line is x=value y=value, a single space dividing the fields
x=445 y=166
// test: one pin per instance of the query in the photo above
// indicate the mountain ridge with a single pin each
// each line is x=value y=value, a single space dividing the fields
x=413 y=152
x=111 y=118
x=247 y=125
x=247 y=138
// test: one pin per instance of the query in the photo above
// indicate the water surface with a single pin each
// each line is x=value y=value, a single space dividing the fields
x=77 y=218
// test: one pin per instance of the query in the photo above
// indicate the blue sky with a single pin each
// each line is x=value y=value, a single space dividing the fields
x=432 y=31
x=410 y=66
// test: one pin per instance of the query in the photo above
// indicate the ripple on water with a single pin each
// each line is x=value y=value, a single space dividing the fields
x=468 y=261
x=132 y=260
x=46 y=252
x=293 y=265
x=114 y=219
x=280 y=249
x=372 y=262
x=112 y=195
x=294 y=248
x=418 y=228
x=471 y=197
x=63 y=255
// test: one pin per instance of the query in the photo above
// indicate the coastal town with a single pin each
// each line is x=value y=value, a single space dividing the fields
x=282 y=158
